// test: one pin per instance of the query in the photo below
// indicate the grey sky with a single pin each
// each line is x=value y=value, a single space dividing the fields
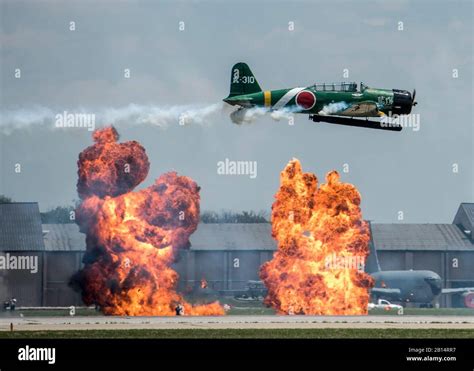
x=408 y=171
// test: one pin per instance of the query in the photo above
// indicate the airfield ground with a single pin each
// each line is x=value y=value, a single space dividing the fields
x=235 y=322
x=244 y=320
x=325 y=333
x=242 y=308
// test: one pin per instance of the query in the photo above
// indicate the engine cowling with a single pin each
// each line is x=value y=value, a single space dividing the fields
x=402 y=102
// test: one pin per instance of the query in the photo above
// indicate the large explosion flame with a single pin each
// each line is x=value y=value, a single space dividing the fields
x=320 y=234
x=133 y=237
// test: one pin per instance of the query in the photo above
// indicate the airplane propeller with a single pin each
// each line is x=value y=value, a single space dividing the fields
x=413 y=103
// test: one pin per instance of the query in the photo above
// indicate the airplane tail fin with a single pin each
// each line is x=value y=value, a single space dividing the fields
x=242 y=81
x=372 y=264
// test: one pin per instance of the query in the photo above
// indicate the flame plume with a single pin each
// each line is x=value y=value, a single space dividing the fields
x=133 y=237
x=312 y=226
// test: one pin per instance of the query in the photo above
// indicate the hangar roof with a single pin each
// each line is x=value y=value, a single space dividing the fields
x=20 y=227
x=257 y=236
x=469 y=209
x=420 y=237
x=21 y=230
x=385 y=236
x=465 y=218
x=233 y=236
x=63 y=237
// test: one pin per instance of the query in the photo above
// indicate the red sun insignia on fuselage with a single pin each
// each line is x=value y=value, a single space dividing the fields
x=305 y=99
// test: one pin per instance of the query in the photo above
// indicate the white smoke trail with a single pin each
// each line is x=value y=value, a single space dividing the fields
x=250 y=115
x=24 y=118
x=284 y=113
x=160 y=116
x=132 y=114
x=332 y=108
x=247 y=115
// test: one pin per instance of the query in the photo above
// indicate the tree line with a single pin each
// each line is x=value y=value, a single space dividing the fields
x=65 y=214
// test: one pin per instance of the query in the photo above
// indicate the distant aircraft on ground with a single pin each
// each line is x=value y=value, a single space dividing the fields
x=422 y=287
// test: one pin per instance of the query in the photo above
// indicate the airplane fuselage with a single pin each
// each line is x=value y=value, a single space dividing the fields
x=414 y=286
x=313 y=100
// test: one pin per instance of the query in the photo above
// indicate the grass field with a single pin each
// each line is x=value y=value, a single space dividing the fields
x=243 y=334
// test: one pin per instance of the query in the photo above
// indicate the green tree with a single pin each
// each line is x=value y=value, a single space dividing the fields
x=4 y=199
x=59 y=215
x=227 y=216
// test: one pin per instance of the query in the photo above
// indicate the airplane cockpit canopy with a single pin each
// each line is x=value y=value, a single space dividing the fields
x=340 y=86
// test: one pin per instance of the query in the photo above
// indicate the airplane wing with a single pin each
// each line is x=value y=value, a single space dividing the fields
x=349 y=121
x=353 y=114
x=360 y=109
x=381 y=291
x=457 y=290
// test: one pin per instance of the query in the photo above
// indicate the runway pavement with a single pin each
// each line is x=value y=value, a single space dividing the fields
x=234 y=322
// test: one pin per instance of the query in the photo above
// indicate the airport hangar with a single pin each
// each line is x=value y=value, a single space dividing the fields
x=227 y=256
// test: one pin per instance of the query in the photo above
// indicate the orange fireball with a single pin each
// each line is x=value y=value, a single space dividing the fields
x=323 y=243
x=133 y=237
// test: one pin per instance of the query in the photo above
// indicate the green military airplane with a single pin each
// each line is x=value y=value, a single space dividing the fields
x=331 y=103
